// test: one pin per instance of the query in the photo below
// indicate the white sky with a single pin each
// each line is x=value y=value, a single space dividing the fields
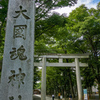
x=88 y=3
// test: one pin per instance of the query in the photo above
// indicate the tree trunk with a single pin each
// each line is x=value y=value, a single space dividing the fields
x=71 y=85
x=70 y=81
x=65 y=83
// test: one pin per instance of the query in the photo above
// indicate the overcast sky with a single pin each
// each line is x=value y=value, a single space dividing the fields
x=88 y=3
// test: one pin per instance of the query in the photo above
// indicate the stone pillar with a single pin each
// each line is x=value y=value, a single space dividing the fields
x=78 y=77
x=0 y=90
x=17 y=70
x=43 y=86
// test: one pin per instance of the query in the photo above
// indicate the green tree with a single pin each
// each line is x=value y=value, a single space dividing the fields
x=85 y=25
x=3 y=15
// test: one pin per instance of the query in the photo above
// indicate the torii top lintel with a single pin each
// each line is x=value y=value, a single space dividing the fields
x=64 y=56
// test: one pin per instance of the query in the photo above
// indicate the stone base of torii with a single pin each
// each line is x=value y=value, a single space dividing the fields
x=76 y=64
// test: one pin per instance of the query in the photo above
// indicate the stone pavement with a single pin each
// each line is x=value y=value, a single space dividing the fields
x=47 y=97
x=50 y=98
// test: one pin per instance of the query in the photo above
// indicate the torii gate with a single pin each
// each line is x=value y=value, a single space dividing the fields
x=76 y=64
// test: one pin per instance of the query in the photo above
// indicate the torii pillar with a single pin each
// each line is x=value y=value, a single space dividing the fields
x=78 y=78
x=43 y=85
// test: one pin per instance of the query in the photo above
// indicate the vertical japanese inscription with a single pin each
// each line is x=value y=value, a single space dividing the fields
x=18 y=53
x=20 y=31
x=16 y=77
x=21 y=12
x=12 y=98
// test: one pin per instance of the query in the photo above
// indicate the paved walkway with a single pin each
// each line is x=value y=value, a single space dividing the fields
x=47 y=97
x=96 y=97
